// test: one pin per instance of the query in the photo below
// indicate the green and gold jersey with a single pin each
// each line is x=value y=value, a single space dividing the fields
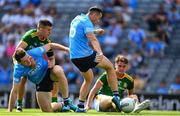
x=32 y=40
x=126 y=82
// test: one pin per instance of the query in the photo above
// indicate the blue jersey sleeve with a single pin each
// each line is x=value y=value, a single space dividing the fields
x=88 y=27
x=39 y=51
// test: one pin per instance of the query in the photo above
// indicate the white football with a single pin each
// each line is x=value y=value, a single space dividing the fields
x=127 y=104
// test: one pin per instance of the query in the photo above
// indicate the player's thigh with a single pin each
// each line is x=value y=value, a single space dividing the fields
x=57 y=69
x=23 y=82
x=56 y=73
x=55 y=89
x=44 y=101
x=105 y=63
x=15 y=87
x=104 y=102
x=88 y=75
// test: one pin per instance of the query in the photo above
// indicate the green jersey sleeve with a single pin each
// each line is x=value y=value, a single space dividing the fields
x=131 y=86
x=130 y=82
x=27 y=36
x=103 y=78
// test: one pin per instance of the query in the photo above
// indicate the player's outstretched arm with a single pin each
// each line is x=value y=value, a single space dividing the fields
x=92 y=93
x=22 y=45
x=96 y=46
x=13 y=96
x=94 y=42
x=56 y=46
x=99 y=31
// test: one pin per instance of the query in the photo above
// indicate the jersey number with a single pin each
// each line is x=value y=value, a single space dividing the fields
x=73 y=28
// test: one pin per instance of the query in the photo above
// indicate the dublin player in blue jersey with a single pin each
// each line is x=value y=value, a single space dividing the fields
x=34 y=65
x=86 y=53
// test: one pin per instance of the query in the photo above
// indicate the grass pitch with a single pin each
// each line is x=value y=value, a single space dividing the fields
x=37 y=112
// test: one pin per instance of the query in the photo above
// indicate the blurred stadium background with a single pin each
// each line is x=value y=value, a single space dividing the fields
x=146 y=31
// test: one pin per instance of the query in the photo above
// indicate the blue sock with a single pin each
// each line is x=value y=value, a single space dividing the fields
x=116 y=93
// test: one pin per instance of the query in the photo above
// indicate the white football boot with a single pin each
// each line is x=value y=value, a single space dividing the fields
x=142 y=106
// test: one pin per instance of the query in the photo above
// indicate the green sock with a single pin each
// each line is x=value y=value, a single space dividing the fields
x=54 y=99
x=19 y=102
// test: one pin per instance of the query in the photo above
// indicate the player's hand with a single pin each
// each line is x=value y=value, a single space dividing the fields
x=87 y=108
x=99 y=31
x=66 y=51
x=99 y=57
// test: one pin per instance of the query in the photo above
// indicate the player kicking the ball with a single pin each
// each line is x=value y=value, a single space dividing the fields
x=86 y=53
x=125 y=82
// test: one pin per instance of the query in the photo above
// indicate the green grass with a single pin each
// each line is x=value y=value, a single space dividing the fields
x=37 y=112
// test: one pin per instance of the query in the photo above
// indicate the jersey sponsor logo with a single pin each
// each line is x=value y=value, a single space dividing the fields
x=35 y=70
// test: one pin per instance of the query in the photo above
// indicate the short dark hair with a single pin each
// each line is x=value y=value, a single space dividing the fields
x=19 y=53
x=95 y=9
x=44 y=22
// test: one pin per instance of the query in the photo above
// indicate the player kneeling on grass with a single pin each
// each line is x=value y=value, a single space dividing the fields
x=34 y=65
x=103 y=101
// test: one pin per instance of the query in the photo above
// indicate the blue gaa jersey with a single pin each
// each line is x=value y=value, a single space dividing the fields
x=36 y=74
x=79 y=43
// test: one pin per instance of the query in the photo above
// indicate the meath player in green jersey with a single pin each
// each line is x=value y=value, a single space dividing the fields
x=36 y=38
x=125 y=82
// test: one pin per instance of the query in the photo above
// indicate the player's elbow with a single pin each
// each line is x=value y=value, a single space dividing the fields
x=48 y=46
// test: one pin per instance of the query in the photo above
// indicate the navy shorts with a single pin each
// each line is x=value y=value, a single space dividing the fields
x=46 y=85
x=84 y=64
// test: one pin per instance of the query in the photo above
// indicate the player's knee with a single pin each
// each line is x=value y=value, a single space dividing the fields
x=56 y=106
x=109 y=67
x=57 y=69
x=88 y=80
